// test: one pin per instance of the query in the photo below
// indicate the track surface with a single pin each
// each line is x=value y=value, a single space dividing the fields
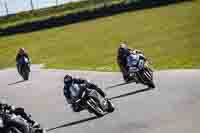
x=172 y=107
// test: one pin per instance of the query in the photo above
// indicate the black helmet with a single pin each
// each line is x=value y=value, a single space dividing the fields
x=1 y=105
x=68 y=79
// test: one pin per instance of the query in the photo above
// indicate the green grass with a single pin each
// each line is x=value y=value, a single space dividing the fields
x=169 y=36
x=46 y=13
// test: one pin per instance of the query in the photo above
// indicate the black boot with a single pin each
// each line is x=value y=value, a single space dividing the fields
x=76 y=108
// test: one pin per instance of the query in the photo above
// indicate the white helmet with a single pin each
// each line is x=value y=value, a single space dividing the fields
x=123 y=45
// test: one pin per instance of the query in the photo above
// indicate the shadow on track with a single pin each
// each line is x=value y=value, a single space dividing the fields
x=117 y=85
x=130 y=93
x=17 y=82
x=72 y=123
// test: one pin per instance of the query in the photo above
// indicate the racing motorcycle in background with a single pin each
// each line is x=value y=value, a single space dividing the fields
x=11 y=123
x=91 y=100
x=139 y=71
x=24 y=67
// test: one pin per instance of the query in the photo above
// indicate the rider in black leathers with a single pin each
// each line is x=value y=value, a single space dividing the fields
x=21 y=53
x=69 y=80
x=20 y=111
x=122 y=54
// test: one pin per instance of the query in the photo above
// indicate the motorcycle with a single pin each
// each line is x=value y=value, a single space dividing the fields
x=24 y=68
x=140 y=72
x=92 y=101
x=11 y=123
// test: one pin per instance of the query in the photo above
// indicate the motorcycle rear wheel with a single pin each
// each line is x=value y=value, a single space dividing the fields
x=111 y=107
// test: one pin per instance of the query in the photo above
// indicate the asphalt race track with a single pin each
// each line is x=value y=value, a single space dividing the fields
x=172 y=107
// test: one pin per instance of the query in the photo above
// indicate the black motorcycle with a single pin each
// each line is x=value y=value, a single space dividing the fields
x=11 y=123
x=93 y=102
x=140 y=72
x=24 y=68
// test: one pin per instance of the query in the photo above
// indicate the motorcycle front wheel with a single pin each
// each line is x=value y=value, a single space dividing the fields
x=13 y=130
x=18 y=125
x=25 y=73
x=94 y=107
x=148 y=77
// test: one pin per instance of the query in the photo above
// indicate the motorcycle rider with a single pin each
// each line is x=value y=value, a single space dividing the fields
x=21 y=53
x=69 y=81
x=141 y=59
x=123 y=53
x=20 y=111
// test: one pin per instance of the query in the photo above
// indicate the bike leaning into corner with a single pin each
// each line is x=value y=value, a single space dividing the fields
x=139 y=70
x=23 y=63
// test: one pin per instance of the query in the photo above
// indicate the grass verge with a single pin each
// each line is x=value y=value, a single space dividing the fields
x=56 y=11
x=169 y=36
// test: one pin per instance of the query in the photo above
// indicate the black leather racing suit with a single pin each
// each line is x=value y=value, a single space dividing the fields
x=88 y=84
x=122 y=60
